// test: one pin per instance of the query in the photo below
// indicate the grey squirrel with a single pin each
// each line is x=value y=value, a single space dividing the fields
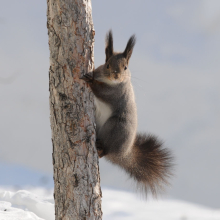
x=141 y=156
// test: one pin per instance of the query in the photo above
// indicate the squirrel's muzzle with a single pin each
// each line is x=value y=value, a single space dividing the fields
x=116 y=76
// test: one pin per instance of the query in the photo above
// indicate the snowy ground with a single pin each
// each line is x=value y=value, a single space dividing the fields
x=38 y=204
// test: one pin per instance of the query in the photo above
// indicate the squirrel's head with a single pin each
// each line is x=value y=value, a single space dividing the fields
x=116 y=64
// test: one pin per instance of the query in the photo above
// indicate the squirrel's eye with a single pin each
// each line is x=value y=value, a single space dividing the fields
x=108 y=66
x=125 y=68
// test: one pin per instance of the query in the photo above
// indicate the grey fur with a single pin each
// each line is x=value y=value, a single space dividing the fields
x=141 y=156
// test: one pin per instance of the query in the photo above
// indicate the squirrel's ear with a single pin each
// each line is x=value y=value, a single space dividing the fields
x=129 y=48
x=109 y=45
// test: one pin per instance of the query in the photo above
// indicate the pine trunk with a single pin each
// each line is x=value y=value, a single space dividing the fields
x=77 y=190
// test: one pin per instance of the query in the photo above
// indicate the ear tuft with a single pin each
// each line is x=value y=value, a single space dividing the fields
x=109 y=45
x=129 y=48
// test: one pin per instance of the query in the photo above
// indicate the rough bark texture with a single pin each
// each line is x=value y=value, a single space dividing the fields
x=77 y=190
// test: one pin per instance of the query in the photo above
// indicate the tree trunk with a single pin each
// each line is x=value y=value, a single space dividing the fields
x=77 y=190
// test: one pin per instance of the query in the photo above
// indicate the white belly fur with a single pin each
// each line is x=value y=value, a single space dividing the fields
x=103 y=112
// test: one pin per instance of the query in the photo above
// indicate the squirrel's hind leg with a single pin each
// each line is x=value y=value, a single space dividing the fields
x=99 y=148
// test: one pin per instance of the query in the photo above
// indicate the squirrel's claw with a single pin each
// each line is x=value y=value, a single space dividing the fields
x=100 y=152
x=87 y=77
x=99 y=148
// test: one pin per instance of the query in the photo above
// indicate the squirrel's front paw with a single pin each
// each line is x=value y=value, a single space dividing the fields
x=87 y=77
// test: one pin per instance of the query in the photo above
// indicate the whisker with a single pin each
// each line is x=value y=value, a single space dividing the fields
x=133 y=77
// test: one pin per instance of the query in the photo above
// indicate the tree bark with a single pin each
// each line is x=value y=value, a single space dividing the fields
x=77 y=190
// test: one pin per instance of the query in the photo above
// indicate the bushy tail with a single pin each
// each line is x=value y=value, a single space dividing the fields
x=149 y=164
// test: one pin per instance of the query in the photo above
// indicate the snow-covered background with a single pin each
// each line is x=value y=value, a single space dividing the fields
x=176 y=75
x=38 y=204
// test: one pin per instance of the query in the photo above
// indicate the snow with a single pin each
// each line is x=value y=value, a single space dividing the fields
x=9 y=213
x=38 y=204
x=123 y=205
x=28 y=202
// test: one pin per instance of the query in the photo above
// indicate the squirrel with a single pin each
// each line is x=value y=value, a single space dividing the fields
x=142 y=156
